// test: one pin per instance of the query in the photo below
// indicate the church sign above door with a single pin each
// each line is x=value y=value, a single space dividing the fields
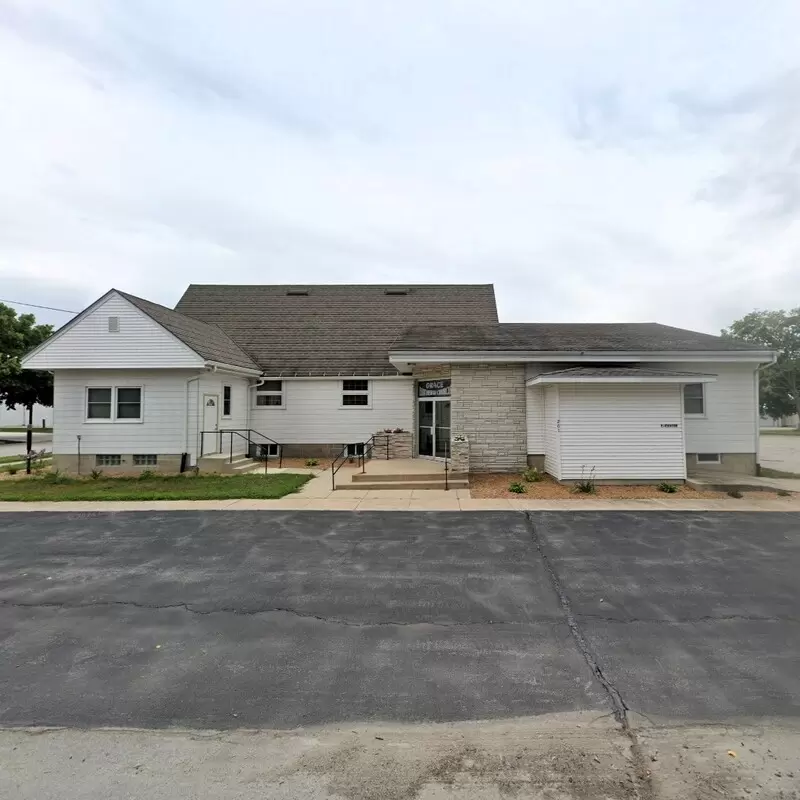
x=440 y=388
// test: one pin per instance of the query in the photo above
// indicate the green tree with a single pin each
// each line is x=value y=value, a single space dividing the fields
x=780 y=383
x=18 y=335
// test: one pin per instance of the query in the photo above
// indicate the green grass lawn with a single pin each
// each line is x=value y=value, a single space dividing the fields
x=167 y=487
x=780 y=432
x=7 y=466
x=22 y=429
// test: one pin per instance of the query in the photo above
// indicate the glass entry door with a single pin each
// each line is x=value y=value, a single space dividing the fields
x=434 y=428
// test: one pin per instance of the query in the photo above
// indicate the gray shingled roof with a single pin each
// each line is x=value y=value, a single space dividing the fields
x=622 y=372
x=206 y=339
x=559 y=337
x=332 y=330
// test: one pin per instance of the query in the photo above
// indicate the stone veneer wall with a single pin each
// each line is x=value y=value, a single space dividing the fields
x=488 y=407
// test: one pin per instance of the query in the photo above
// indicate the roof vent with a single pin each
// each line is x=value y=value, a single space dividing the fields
x=398 y=290
x=297 y=292
x=113 y=324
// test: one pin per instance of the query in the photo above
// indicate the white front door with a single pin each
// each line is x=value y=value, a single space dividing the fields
x=210 y=423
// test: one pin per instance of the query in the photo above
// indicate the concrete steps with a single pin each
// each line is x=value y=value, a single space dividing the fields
x=219 y=463
x=419 y=483
x=367 y=477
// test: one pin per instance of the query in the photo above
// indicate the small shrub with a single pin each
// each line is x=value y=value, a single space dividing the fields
x=311 y=462
x=55 y=476
x=517 y=488
x=532 y=475
x=398 y=430
x=735 y=493
x=146 y=475
x=95 y=474
x=388 y=430
x=13 y=471
x=784 y=493
x=669 y=488
x=586 y=485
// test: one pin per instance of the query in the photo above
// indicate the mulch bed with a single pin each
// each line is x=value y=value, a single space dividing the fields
x=494 y=485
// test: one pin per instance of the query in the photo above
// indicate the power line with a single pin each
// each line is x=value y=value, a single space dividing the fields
x=33 y=305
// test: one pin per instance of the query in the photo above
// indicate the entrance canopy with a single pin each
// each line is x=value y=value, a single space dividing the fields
x=618 y=375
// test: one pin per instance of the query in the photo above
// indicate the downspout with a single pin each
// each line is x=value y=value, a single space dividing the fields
x=259 y=382
x=756 y=390
x=186 y=448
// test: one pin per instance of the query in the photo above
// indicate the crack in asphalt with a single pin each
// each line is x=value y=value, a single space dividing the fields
x=688 y=620
x=619 y=706
x=277 y=610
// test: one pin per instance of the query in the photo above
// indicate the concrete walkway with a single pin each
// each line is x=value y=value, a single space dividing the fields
x=723 y=481
x=317 y=495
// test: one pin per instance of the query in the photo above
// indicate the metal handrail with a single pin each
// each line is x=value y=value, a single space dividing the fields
x=367 y=448
x=335 y=469
x=248 y=438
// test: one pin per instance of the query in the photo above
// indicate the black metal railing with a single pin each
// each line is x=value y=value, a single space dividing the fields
x=257 y=445
x=364 y=451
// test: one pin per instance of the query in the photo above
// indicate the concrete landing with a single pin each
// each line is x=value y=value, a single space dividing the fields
x=728 y=481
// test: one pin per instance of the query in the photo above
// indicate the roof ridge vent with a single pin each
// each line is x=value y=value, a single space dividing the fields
x=396 y=290
x=297 y=292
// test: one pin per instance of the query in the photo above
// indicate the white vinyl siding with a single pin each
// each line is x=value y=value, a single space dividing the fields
x=552 y=450
x=214 y=383
x=139 y=343
x=730 y=421
x=313 y=412
x=161 y=431
x=623 y=431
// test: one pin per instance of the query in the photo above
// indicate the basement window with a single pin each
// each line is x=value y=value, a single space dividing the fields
x=708 y=458
x=355 y=393
x=146 y=460
x=106 y=460
x=355 y=449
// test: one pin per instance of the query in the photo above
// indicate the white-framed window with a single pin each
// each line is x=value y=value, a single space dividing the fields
x=106 y=460
x=708 y=458
x=355 y=393
x=270 y=395
x=145 y=460
x=355 y=449
x=113 y=403
x=694 y=401
x=98 y=402
x=227 y=393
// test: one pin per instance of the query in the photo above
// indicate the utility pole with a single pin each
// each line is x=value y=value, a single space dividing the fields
x=29 y=441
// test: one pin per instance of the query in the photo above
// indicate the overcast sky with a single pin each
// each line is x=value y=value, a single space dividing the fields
x=597 y=160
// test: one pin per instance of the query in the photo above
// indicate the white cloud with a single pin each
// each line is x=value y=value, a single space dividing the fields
x=638 y=162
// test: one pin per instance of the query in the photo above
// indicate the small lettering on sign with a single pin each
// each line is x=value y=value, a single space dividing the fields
x=438 y=388
x=669 y=424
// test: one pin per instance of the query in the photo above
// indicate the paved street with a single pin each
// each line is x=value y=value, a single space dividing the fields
x=280 y=619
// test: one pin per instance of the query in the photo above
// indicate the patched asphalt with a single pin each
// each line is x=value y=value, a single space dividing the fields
x=279 y=619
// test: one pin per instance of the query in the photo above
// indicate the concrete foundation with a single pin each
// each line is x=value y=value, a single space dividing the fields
x=68 y=464
x=743 y=463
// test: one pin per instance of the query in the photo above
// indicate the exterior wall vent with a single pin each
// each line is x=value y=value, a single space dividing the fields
x=398 y=291
x=113 y=324
x=297 y=292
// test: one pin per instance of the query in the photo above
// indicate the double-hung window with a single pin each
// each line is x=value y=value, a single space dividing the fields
x=694 y=404
x=114 y=403
x=270 y=394
x=355 y=393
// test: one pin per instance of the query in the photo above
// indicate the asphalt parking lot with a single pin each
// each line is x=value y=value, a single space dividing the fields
x=280 y=619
